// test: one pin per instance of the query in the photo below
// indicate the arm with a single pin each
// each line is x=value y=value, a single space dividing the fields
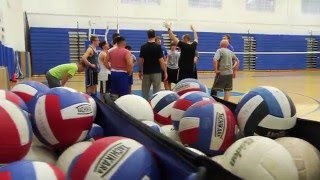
x=107 y=60
x=84 y=58
x=195 y=34
x=129 y=62
x=65 y=78
x=173 y=38
x=216 y=65
x=163 y=68
x=236 y=61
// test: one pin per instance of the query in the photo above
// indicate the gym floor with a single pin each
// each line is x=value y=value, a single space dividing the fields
x=302 y=86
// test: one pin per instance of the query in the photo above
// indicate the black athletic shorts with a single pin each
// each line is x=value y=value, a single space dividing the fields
x=91 y=77
x=185 y=74
x=223 y=83
x=104 y=87
x=172 y=75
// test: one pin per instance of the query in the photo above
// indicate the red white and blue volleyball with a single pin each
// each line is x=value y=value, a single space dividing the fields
x=188 y=85
x=10 y=96
x=61 y=118
x=266 y=111
x=115 y=158
x=28 y=91
x=31 y=170
x=15 y=132
x=92 y=102
x=162 y=103
x=209 y=127
x=184 y=102
x=95 y=133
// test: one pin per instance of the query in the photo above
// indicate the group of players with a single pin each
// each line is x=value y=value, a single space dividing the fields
x=113 y=66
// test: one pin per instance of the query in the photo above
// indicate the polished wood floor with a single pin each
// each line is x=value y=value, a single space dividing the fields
x=302 y=86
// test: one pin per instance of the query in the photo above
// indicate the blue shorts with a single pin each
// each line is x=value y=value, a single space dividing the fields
x=119 y=83
x=130 y=80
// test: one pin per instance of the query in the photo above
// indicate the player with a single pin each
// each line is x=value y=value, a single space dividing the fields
x=59 y=75
x=230 y=47
x=104 y=69
x=188 y=52
x=134 y=60
x=223 y=68
x=172 y=66
x=90 y=58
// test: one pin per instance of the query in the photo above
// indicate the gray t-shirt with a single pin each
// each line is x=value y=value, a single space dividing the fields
x=173 y=59
x=224 y=57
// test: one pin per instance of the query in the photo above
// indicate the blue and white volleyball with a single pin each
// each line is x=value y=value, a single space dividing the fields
x=266 y=111
x=153 y=126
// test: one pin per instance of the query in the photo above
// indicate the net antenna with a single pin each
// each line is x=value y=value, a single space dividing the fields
x=92 y=31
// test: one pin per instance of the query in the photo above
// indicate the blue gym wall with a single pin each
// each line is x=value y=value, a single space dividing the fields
x=50 y=47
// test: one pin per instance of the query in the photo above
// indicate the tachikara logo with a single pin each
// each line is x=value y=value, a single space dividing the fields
x=220 y=124
x=237 y=154
x=110 y=159
x=182 y=86
x=84 y=109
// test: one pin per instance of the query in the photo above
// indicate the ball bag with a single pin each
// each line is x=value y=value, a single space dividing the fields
x=305 y=156
x=28 y=91
x=135 y=106
x=61 y=118
x=184 y=102
x=42 y=154
x=266 y=111
x=15 y=133
x=162 y=103
x=208 y=126
x=95 y=133
x=68 y=157
x=31 y=170
x=10 y=96
x=115 y=158
x=153 y=126
x=188 y=85
x=258 y=157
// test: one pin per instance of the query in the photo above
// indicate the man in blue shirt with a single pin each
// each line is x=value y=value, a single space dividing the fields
x=230 y=47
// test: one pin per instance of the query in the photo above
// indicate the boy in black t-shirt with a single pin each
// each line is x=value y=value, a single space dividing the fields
x=188 y=52
x=150 y=65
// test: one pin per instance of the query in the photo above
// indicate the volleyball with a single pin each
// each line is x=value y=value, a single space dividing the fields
x=266 y=111
x=15 y=132
x=31 y=170
x=70 y=155
x=208 y=126
x=136 y=106
x=115 y=158
x=184 y=102
x=257 y=157
x=61 y=118
x=162 y=103
x=10 y=96
x=28 y=91
x=305 y=156
x=188 y=85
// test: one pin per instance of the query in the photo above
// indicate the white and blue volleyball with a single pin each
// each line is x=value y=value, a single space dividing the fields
x=188 y=85
x=115 y=158
x=266 y=111
x=61 y=118
x=184 y=102
x=153 y=126
x=95 y=133
x=162 y=103
x=30 y=170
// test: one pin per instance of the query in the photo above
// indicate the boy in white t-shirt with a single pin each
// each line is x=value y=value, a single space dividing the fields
x=104 y=69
